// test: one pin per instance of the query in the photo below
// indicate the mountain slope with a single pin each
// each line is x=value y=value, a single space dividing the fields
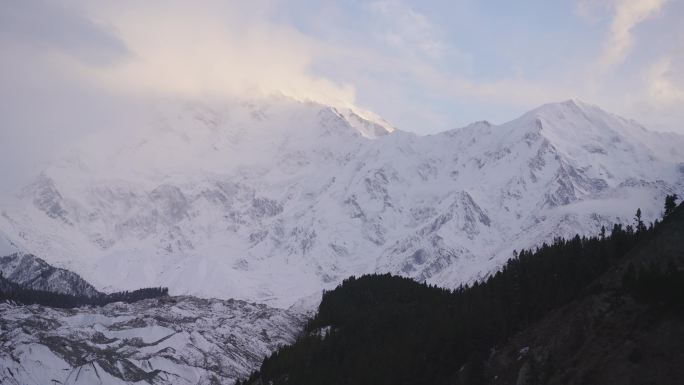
x=618 y=335
x=606 y=309
x=274 y=200
x=6 y=246
x=32 y=272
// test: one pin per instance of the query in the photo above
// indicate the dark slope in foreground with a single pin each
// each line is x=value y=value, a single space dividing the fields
x=583 y=311
x=630 y=331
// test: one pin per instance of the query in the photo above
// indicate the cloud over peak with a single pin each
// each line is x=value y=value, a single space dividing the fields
x=627 y=15
x=73 y=66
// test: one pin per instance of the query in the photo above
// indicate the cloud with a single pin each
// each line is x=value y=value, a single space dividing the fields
x=405 y=28
x=627 y=15
x=174 y=48
x=56 y=27
x=661 y=84
x=73 y=66
x=227 y=48
x=660 y=103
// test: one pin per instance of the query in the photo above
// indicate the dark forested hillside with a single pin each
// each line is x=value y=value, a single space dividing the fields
x=381 y=329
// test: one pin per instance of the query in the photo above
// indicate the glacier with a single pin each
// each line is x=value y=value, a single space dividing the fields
x=171 y=340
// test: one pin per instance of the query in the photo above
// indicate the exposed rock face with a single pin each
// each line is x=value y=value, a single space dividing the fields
x=274 y=201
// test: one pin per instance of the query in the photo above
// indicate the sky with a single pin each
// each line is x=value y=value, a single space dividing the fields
x=71 y=67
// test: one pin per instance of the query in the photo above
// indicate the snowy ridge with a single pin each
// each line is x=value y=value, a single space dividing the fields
x=32 y=272
x=275 y=200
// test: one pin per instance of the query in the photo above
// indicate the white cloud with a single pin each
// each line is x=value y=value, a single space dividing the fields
x=626 y=15
x=177 y=49
x=227 y=48
x=385 y=55
x=74 y=67
x=662 y=88
x=405 y=28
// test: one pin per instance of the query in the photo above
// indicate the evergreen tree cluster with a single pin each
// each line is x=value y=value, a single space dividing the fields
x=383 y=329
x=670 y=204
x=10 y=291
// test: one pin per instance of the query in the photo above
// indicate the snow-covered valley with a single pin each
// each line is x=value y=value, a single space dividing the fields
x=175 y=340
x=164 y=340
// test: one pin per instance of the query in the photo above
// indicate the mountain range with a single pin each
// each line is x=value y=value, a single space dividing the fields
x=275 y=200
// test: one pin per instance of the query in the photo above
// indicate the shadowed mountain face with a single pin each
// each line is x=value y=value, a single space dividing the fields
x=275 y=200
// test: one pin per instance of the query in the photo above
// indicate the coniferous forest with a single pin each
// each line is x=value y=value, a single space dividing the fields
x=383 y=329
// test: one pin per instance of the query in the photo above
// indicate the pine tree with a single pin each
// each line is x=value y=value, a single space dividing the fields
x=670 y=204
x=639 y=223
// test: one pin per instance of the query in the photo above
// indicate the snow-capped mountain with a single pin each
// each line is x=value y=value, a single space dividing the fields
x=274 y=200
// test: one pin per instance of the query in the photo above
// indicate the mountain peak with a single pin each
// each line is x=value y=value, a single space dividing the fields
x=368 y=124
x=567 y=109
x=573 y=121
